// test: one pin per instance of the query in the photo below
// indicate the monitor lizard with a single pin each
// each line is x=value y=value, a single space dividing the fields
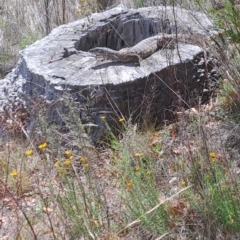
x=147 y=47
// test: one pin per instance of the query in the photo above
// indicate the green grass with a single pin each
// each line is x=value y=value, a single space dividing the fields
x=28 y=40
x=4 y=58
x=228 y=18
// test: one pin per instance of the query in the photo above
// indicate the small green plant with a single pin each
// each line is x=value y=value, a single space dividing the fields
x=83 y=208
x=28 y=39
x=229 y=101
x=141 y=195
x=219 y=201
x=137 y=179
x=4 y=58
x=139 y=3
x=228 y=19
x=1 y=21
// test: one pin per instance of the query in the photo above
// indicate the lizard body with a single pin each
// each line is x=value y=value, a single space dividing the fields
x=146 y=47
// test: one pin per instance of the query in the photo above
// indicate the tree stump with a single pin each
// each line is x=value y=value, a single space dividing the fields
x=61 y=65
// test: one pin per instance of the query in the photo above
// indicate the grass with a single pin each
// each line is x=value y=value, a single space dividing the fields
x=35 y=20
x=142 y=184
x=27 y=40
x=181 y=181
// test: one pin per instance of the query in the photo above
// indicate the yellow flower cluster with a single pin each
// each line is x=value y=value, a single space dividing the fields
x=42 y=146
x=137 y=169
x=62 y=166
x=183 y=183
x=69 y=156
x=14 y=173
x=121 y=119
x=84 y=161
x=57 y=163
x=148 y=172
x=68 y=153
x=67 y=163
x=129 y=185
x=29 y=152
x=86 y=165
x=213 y=156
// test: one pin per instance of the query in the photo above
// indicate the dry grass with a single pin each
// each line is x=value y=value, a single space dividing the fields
x=23 y=22
x=180 y=182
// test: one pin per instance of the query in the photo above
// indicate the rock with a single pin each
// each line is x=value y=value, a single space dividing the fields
x=60 y=65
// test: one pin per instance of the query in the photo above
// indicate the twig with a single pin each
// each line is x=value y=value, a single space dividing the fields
x=153 y=209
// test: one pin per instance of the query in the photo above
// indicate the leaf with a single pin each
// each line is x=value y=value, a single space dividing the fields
x=155 y=141
x=177 y=150
x=47 y=210
x=173 y=131
x=176 y=209
x=47 y=232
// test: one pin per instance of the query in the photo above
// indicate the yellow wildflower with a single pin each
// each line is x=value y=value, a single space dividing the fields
x=103 y=117
x=213 y=160
x=137 y=169
x=71 y=158
x=57 y=163
x=86 y=165
x=42 y=146
x=121 y=120
x=68 y=153
x=61 y=170
x=213 y=156
x=129 y=184
x=29 y=152
x=14 y=173
x=138 y=155
x=183 y=183
x=83 y=159
x=148 y=172
x=67 y=162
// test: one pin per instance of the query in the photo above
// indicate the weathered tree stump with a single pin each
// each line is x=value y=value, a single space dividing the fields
x=60 y=65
